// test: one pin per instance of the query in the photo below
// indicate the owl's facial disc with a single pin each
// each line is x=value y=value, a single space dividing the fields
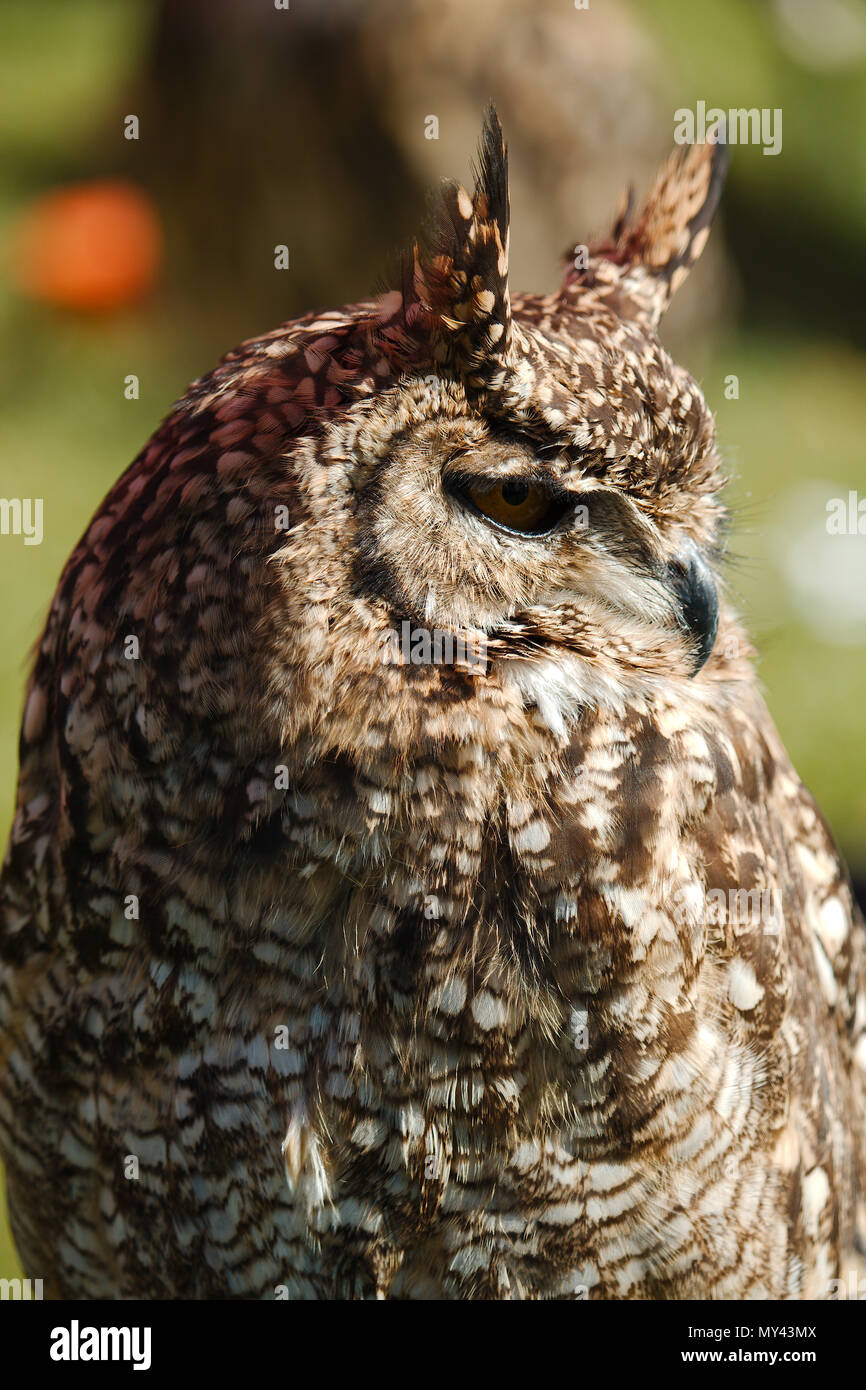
x=468 y=526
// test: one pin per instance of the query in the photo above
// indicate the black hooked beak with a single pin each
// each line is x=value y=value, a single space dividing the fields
x=690 y=578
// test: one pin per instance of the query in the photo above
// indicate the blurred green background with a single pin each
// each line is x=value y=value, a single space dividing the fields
x=308 y=127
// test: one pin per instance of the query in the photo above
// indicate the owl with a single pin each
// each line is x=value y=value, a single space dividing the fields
x=409 y=896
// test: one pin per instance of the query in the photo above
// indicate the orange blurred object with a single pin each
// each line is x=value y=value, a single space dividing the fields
x=95 y=246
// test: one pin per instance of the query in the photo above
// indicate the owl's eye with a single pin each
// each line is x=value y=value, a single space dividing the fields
x=517 y=504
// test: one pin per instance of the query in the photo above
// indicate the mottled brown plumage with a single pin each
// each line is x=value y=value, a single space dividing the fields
x=330 y=972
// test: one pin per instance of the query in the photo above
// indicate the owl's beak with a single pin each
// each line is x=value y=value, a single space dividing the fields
x=690 y=578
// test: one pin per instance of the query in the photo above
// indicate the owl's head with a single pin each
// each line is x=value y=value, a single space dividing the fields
x=503 y=502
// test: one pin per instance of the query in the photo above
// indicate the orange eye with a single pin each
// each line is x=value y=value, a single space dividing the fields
x=517 y=503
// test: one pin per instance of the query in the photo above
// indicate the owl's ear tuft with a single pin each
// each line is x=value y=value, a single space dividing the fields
x=491 y=177
x=461 y=269
x=656 y=246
